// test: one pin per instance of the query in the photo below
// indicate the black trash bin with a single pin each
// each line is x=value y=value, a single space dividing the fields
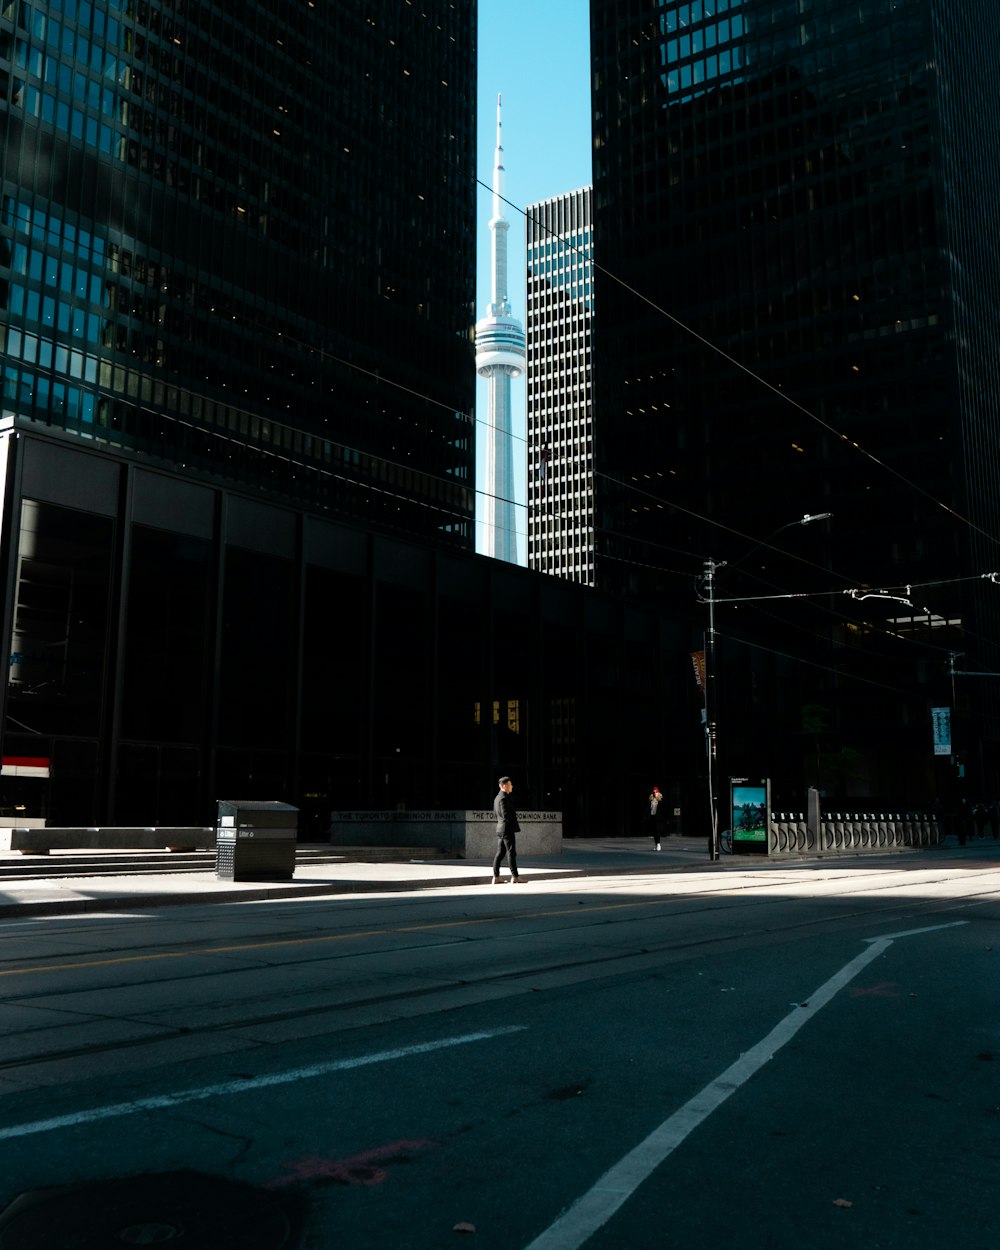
x=255 y=840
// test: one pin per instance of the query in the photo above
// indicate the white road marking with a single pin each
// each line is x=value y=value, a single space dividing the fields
x=161 y=1101
x=891 y=937
x=593 y=1210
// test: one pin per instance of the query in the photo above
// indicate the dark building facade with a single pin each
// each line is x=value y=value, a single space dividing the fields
x=177 y=640
x=236 y=266
x=797 y=311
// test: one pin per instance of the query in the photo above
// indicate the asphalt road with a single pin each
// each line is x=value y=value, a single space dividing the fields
x=775 y=1057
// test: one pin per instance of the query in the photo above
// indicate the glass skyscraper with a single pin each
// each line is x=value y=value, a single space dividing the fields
x=240 y=238
x=798 y=306
x=237 y=276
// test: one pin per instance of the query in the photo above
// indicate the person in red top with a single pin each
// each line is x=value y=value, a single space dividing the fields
x=655 y=816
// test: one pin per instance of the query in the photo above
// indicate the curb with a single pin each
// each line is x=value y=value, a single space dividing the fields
x=129 y=902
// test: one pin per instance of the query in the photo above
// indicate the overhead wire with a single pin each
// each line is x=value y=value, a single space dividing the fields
x=381 y=377
x=756 y=377
x=658 y=308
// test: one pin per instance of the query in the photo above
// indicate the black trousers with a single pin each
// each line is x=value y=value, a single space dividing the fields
x=506 y=846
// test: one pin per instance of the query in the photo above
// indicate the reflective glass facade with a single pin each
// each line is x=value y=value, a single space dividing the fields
x=240 y=239
x=797 y=200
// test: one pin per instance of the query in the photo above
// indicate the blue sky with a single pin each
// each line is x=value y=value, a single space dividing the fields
x=534 y=53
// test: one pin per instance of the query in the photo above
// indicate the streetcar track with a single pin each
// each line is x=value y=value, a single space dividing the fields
x=514 y=979
x=675 y=904
x=733 y=892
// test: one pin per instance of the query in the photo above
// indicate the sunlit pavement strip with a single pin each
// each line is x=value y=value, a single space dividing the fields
x=72 y=917
x=165 y=1101
x=893 y=883
x=616 y=1186
x=670 y=876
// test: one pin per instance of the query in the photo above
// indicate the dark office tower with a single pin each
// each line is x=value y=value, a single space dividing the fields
x=560 y=410
x=798 y=311
x=240 y=238
x=237 y=279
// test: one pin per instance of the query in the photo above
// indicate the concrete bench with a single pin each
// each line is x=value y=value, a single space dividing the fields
x=41 y=841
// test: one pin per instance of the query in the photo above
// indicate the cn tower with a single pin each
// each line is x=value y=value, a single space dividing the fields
x=499 y=359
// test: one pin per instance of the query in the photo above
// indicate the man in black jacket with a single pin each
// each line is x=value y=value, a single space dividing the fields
x=507 y=830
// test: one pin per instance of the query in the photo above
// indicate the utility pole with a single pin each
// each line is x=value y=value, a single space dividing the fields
x=711 y=727
x=711 y=737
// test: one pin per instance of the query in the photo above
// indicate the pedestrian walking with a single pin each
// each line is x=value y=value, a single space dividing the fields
x=507 y=831
x=655 y=816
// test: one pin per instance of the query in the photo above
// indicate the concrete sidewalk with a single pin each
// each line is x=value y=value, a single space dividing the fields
x=372 y=871
x=45 y=893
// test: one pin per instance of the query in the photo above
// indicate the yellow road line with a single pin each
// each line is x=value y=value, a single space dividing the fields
x=317 y=940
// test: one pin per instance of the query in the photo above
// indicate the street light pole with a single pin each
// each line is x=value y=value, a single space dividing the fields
x=711 y=726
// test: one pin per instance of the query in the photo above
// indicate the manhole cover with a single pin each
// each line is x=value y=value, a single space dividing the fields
x=182 y=1210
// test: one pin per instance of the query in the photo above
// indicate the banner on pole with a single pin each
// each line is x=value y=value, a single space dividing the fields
x=941 y=722
x=698 y=663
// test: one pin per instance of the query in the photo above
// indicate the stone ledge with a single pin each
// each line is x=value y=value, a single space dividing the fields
x=41 y=841
x=462 y=834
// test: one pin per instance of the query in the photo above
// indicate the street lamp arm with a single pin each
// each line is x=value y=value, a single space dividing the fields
x=807 y=519
x=960 y=655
